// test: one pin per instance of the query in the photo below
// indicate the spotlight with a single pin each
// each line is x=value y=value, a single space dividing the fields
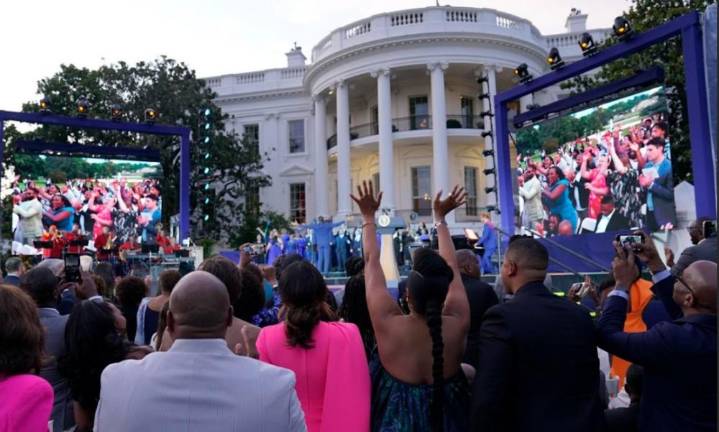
x=486 y=114
x=44 y=105
x=489 y=171
x=486 y=134
x=207 y=200
x=522 y=72
x=492 y=208
x=490 y=189
x=482 y=79
x=622 y=28
x=554 y=60
x=151 y=115
x=116 y=112
x=207 y=186
x=206 y=170
x=488 y=153
x=206 y=140
x=206 y=218
x=207 y=112
x=483 y=96
x=587 y=45
x=207 y=156
x=83 y=107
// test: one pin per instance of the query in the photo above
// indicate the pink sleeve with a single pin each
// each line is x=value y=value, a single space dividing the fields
x=32 y=412
x=347 y=394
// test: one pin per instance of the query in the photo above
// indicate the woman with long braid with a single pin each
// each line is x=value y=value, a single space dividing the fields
x=417 y=380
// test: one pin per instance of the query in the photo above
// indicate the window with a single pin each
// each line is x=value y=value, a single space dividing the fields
x=470 y=186
x=422 y=190
x=297 y=136
x=418 y=112
x=298 y=207
x=252 y=135
x=252 y=200
x=374 y=120
x=467 y=112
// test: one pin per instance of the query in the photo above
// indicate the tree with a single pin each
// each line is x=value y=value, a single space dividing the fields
x=644 y=15
x=172 y=89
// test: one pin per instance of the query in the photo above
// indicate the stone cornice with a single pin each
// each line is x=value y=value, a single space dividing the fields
x=254 y=96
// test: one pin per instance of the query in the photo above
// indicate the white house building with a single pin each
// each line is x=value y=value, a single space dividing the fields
x=394 y=98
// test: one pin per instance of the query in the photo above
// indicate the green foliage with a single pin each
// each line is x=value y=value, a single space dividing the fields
x=172 y=88
x=644 y=15
x=265 y=221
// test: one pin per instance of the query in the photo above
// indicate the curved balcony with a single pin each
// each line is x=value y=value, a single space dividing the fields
x=412 y=123
x=442 y=19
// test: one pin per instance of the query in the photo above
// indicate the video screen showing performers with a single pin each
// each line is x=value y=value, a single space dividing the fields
x=605 y=168
x=112 y=203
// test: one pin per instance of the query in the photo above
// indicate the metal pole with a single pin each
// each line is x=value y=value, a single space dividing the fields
x=2 y=174
x=184 y=186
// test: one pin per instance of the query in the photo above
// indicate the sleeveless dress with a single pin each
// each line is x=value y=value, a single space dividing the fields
x=562 y=205
x=398 y=406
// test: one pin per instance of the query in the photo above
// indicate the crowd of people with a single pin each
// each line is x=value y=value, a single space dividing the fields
x=618 y=179
x=109 y=213
x=232 y=347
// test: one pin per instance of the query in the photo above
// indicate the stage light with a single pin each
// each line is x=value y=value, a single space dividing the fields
x=486 y=134
x=206 y=218
x=622 y=28
x=522 y=72
x=483 y=79
x=207 y=126
x=492 y=208
x=488 y=153
x=206 y=170
x=554 y=60
x=116 y=112
x=44 y=105
x=486 y=114
x=207 y=155
x=587 y=45
x=490 y=189
x=207 y=200
x=83 y=107
x=206 y=140
x=484 y=96
x=489 y=171
x=151 y=115
x=207 y=112
x=207 y=186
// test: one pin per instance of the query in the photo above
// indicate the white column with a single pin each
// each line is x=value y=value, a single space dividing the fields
x=321 y=208
x=386 y=151
x=440 y=152
x=344 y=174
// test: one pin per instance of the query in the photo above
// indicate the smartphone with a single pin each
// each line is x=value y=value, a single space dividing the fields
x=72 y=268
x=631 y=241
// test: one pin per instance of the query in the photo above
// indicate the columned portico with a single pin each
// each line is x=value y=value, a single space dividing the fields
x=322 y=209
x=386 y=152
x=344 y=174
x=440 y=158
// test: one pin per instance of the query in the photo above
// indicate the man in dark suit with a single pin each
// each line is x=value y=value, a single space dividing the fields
x=481 y=297
x=610 y=219
x=538 y=367
x=659 y=186
x=704 y=239
x=42 y=285
x=15 y=269
x=679 y=357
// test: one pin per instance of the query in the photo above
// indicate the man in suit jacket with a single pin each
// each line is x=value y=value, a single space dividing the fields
x=199 y=384
x=679 y=357
x=660 y=189
x=610 y=219
x=481 y=297
x=538 y=365
x=42 y=285
x=702 y=249
x=15 y=269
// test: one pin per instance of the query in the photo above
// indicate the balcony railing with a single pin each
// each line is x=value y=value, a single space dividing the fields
x=417 y=122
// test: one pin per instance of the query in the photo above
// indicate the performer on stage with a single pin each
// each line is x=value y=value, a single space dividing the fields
x=323 y=237
x=30 y=213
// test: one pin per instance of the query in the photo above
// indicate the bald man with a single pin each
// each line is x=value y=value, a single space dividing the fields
x=679 y=357
x=538 y=368
x=481 y=297
x=199 y=384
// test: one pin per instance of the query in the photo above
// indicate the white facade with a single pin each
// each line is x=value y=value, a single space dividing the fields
x=372 y=94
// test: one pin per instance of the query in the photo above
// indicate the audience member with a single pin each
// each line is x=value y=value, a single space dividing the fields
x=489 y=242
x=252 y=297
x=94 y=338
x=326 y=356
x=148 y=314
x=626 y=419
x=15 y=269
x=199 y=384
x=25 y=398
x=704 y=245
x=671 y=401
x=538 y=367
x=354 y=310
x=609 y=218
x=105 y=271
x=417 y=379
x=657 y=180
x=130 y=292
x=481 y=296
x=42 y=285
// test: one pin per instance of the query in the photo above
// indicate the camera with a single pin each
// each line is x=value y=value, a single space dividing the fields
x=72 y=268
x=632 y=242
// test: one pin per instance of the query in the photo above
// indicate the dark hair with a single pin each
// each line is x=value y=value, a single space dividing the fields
x=92 y=342
x=354 y=310
x=100 y=285
x=605 y=284
x=252 y=296
x=354 y=265
x=168 y=280
x=104 y=270
x=660 y=125
x=41 y=284
x=22 y=336
x=607 y=199
x=283 y=261
x=13 y=264
x=130 y=291
x=303 y=291
x=428 y=285
x=656 y=142
x=226 y=271
x=161 y=325
x=65 y=201
x=529 y=253
x=635 y=380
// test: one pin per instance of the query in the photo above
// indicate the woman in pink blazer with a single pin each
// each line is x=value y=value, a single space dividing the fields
x=25 y=399
x=327 y=357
